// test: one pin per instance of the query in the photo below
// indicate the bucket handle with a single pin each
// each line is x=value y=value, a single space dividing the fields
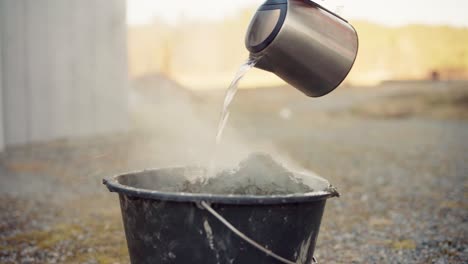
x=241 y=235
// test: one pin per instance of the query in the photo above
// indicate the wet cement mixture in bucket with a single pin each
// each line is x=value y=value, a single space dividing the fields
x=259 y=174
x=269 y=205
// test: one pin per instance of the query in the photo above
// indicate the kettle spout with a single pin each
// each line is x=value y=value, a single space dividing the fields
x=261 y=62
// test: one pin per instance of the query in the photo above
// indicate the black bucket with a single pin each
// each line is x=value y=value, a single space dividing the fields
x=169 y=227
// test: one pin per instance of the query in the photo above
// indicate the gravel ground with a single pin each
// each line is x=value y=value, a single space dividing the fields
x=404 y=188
x=403 y=180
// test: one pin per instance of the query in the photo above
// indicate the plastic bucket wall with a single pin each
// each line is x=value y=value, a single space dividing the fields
x=165 y=227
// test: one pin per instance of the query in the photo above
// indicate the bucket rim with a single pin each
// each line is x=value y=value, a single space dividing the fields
x=113 y=184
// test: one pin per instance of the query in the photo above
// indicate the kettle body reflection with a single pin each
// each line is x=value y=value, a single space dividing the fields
x=306 y=45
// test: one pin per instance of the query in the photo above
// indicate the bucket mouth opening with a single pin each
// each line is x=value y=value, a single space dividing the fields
x=152 y=184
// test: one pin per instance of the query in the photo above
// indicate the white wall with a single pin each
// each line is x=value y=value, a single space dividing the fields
x=15 y=98
x=64 y=68
x=1 y=90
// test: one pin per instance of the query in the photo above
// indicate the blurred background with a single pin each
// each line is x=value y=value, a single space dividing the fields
x=90 y=89
x=399 y=41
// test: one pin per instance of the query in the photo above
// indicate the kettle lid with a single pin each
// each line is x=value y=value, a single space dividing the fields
x=265 y=25
x=275 y=2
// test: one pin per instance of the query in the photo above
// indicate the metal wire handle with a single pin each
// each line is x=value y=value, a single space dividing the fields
x=246 y=238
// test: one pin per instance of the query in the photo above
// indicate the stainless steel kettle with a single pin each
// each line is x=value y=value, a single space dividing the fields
x=303 y=43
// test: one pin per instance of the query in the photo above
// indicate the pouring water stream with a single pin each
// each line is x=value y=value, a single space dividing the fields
x=229 y=97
